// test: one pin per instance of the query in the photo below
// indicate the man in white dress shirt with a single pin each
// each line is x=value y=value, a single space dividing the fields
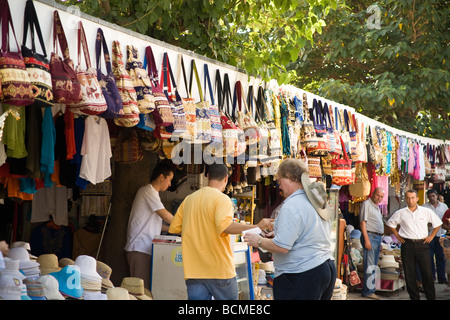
x=415 y=240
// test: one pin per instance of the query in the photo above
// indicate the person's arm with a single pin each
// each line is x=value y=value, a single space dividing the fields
x=165 y=215
x=177 y=221
x=4 y=248
x=432 y=235
x=265 y=243
x=367 y=243
x=237 y=228
x=394 y=231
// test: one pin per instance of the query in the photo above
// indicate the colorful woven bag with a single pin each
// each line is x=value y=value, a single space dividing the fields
x=341 y=169
x=174 y=98
x=214 y=116
x=107 y=81
x=15 y=82
x=141 y=81
x=203 y=134
x=126 y=90
x=66 y=88
x=162 y=114
x=92 y=99
x=188 y=103
x=37 y=64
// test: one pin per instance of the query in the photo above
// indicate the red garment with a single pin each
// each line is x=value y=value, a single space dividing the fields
x=69 y=130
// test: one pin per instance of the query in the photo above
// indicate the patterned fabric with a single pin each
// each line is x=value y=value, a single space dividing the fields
x=15 y=83
x=141 y=81
x=107 y=81
x=92 y=99
x=37 y=65
x=66 y=88
x=126 y=90
x=162 y=114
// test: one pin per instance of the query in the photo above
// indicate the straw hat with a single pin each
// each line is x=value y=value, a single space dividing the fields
x=105 y=272
x=51 y=287
x=135 y=287
x=48 y=263
x=387 y=261
x=118 y=293
x=317 y=195
x=20 y=244
x=65 y=262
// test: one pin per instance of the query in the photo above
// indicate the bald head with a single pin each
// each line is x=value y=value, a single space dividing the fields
x=377 y=195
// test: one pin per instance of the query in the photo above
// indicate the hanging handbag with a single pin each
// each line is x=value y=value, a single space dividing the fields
x=361 y=186
x=336 y=131
x=162 y=113
x=15 y=85
x=141 y=81
x=241 y=143
x=174 y=98
x=188 y=103
x=229 y=130
x=203 y=134
x=331 y=137
x=341 y=169
x=314 y=167
x=351 y=147
x=263 y=145
x=308 y=138
x=37 y=65
x=360 y=154
x=214 y=116
x=244 y=118
x=107 y=82
x=321 y=149
x=66 y=88
x=127 y=149
x=127 y=92
x=92 y=100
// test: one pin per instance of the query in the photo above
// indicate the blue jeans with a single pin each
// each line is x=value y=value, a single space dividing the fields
x=205 y=289
x=370 y=263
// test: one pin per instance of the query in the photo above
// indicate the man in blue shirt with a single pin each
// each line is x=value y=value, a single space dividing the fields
x=302 y=249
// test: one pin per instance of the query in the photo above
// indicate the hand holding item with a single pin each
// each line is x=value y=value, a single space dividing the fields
x=252 y=239
x=266 y=225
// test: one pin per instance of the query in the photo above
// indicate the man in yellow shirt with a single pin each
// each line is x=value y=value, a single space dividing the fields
x=204 y=220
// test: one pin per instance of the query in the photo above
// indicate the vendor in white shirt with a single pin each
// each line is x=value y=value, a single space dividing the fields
x=414 y=238
x=145 y=222
x=436 y=250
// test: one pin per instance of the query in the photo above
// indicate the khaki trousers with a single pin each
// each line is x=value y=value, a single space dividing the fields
x=140 y=266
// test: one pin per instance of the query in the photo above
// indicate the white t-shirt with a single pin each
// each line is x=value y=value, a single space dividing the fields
x=414 y=224
x=144 y=223
x=96 y=150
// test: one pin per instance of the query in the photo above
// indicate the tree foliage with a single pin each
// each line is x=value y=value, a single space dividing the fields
x=258 y=36
x=397 y=74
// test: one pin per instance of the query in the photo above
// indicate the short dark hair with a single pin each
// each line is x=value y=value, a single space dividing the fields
x=161 y=168
x=412 y=191
x=430 y=191
x=217 y=171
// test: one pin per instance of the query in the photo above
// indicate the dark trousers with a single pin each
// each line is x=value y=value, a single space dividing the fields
x=437 y=253
x=412 y=253
x=315 y=284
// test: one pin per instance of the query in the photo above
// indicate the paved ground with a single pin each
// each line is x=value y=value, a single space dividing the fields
x=400 y=294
